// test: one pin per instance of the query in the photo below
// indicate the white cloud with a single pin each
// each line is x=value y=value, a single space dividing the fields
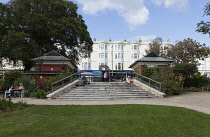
x=134 y=12
x=175 y=4
x=143 y=38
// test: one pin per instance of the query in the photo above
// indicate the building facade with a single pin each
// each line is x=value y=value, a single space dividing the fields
x=49 y=65
x=204 y=66
x=117 y=55
x=150 y=60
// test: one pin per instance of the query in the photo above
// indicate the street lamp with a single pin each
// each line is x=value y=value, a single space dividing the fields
x=112 y=60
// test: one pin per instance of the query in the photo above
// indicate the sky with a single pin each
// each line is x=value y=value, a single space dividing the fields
x=143 y=19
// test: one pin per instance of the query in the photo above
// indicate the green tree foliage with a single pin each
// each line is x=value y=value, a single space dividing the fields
x=148 y=72
x=202 y=81
x=155 y=46
x=34 y=27
x=171 y=84
x=187 y=70
x=9 y=78
x=204 y=27
x=191 y=76
x=188 y=51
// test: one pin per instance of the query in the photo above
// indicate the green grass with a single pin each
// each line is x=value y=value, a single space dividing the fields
x=104 y=121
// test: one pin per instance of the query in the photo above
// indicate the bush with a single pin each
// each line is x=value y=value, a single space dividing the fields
x=192 y=89
x=47 y=83
x=9 y=79
x=171 y=84
x=41 y=94
x=149 y=72
x=198 y=82
x=8 y=106
x=29 y=85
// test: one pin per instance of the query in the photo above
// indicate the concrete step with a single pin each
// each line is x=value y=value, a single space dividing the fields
x=105 y=94
x=103 y=98
x=105 y=91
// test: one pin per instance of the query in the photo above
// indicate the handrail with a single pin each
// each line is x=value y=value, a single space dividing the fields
x=158 y=83
x=65 y=81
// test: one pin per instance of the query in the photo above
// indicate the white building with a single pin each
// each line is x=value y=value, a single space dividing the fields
x=118 y=55
x=204 y=66
x=7 y=64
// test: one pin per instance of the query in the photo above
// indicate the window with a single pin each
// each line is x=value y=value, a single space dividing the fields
x=86 y=66
x=134 y=55
x=103 y=47
x=102 y=55
x=118 y=47
x=89 y=66
x=118 y=66
x=134 y=47
x=118 y=55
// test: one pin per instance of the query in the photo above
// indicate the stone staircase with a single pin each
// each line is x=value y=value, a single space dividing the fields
x=105 y=91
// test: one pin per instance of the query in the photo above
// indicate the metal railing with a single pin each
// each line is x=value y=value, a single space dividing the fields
x=58 y=84
x=148 y=81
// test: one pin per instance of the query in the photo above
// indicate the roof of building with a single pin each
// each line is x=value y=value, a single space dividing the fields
x=53 y=56
x=151 y=57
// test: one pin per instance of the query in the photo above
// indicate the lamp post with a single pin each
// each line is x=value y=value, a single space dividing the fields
x=112 y=60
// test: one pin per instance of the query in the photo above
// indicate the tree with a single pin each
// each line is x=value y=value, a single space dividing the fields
x=171 y=83
x=204 y=27
x=155 y=46
x=37 y=27
x=188 y=51
x=186 y=70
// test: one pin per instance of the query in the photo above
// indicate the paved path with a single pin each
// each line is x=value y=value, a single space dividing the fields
x=199 y=101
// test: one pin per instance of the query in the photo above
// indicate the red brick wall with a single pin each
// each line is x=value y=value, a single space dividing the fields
x=140 y=69
x=48 y=67
x=42 y=78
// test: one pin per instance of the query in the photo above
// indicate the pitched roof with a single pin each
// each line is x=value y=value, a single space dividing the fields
x=52 y=56
x=151 y=57
x=151 y=54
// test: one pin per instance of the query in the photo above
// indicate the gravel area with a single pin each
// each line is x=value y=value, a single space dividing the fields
x=199 y=101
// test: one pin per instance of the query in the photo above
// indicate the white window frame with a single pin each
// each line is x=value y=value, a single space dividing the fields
x=134 y=47
x=102 y=55
x=103 y=47
x=118 y=55
x=134 y=55
x=119 y=66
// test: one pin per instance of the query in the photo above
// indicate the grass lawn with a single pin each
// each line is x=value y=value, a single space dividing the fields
x=104 y=121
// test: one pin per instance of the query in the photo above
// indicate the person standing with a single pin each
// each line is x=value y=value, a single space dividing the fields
x=108 y=76
x=105 y=76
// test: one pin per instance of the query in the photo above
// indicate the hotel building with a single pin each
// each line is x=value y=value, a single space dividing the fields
x=117 y=55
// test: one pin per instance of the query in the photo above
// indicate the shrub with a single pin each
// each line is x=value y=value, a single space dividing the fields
x=149 y=72
x=198 y=82
x=29 y=85
x=47 y=83
x=187 y=70
x=41 y=94
x=9 y=78
x=171 y=84
x=8 y=106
